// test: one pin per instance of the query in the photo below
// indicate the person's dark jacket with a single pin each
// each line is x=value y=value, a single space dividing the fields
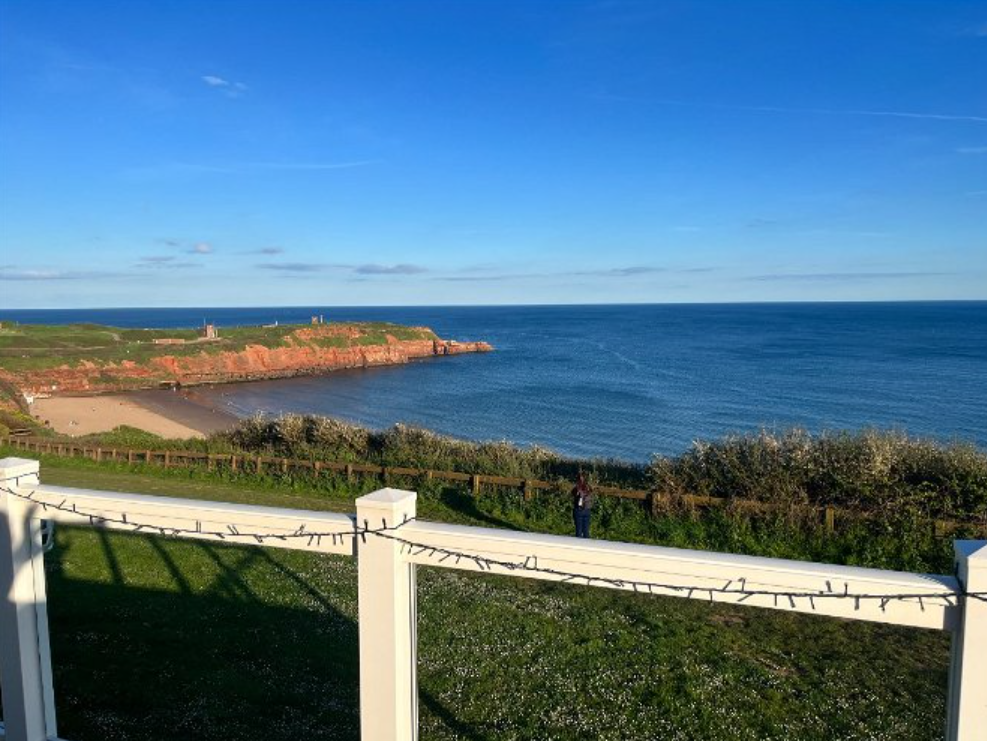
x=582 y=497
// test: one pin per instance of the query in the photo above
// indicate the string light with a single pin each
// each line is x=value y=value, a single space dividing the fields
x=733 y=587
x=530 y=564
x=231 y=532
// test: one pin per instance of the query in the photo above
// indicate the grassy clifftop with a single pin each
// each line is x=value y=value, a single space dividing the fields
x=89 y=358
x=31 y=347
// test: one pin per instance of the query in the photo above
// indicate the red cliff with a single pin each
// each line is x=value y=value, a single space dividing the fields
x=301 y=356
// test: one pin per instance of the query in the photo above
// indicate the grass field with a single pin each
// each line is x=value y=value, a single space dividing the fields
x=155 y=638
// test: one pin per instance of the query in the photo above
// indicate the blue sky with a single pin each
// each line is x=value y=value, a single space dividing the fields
x=348 y=153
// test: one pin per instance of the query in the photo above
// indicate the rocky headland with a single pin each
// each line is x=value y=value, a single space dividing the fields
x=124 y=360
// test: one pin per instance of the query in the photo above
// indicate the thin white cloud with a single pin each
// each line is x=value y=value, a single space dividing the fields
x=921 y=115
x=264 y=251
x=621 y=272
x=194 y=169
x=492 y=278
x=201 y=248
x=306 y=165
x=402 y=269
x=168 y=265
x=840 y=277
x=299 y=267
x=229 y=88
x=320 y=267
x=45 y=275
x=980 y=31
x=890 y=114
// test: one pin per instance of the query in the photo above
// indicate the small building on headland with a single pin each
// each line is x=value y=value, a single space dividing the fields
x=208 y=332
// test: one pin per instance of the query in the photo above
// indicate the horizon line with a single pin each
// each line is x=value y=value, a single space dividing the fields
x=506 y=305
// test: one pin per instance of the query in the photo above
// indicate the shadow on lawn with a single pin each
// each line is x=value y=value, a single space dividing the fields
x=464 y=503
x=242 y=642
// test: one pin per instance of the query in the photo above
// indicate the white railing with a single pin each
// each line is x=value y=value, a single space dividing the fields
x=389 y=542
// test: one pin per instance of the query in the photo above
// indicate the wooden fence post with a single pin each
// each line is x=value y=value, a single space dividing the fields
x=388 y=623
x=966 y=708
x=830 y=520
x=349 y=471
x=476 y=484
x=233 y=463
x=25 y=654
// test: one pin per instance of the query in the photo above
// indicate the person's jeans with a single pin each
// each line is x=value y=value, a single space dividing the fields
x=581 y=517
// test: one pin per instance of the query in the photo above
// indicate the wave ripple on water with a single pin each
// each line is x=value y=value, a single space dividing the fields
x=630 y=381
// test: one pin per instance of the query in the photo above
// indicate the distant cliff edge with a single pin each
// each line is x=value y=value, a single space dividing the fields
x=42 y=360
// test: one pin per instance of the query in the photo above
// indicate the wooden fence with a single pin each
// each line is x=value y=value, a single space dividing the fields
x=654 y=500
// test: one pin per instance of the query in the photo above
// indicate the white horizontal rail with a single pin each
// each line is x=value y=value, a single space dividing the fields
x=170 y=513
x=637 y=565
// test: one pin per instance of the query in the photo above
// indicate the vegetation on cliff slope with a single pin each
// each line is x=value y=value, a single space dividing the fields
x=870 y=471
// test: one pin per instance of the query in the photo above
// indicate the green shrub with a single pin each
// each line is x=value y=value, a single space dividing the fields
x=321 y=438
x=889 y=473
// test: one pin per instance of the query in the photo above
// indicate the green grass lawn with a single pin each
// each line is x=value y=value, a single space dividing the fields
x=155 y=638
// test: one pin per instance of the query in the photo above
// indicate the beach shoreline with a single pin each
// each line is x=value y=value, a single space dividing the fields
x=166 y=413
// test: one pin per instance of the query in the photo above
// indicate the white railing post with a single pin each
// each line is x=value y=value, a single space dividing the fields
x=967 y=704
x=25 y=658
x=388 y=622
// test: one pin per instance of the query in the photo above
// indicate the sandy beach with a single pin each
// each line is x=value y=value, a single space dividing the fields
x=165 y=413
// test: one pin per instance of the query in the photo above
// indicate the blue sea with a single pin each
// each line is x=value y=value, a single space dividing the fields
x=630 y=381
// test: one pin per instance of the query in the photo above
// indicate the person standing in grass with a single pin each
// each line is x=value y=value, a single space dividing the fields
x=582 y=505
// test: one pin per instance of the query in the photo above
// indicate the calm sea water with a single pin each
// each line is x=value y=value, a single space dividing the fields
x=629 y=381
